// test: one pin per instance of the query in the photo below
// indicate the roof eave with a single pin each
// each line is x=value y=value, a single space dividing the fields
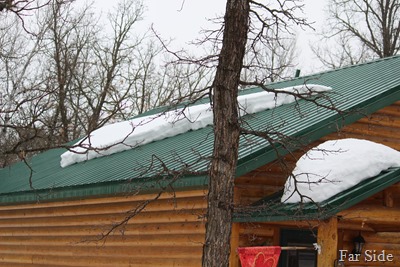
x=147 y=185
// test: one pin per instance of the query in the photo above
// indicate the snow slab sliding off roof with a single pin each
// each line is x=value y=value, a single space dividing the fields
x=117 y=137
x=362 y=88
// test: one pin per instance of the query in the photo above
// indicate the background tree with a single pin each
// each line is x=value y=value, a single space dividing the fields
x=70 y=78
x=362 y=29
x=21 y=9
x=157 y=82
x=272 y=60
x=340 y=51
x=19 y=81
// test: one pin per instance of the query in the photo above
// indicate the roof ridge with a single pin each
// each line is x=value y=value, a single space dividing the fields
x=341 y=68
x=246 y=90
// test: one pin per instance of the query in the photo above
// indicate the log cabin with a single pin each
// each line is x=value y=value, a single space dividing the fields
x=126 y=209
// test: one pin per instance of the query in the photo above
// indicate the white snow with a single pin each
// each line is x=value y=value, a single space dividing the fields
x=125 y=135
x=335 y=166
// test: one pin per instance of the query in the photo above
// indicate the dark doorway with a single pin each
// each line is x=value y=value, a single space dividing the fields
x=298 y=258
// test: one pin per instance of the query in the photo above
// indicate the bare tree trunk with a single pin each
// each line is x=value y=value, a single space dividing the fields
x=226 y=135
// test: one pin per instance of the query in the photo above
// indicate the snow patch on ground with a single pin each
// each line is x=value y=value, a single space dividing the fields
x=117 y=137
x=335 y=166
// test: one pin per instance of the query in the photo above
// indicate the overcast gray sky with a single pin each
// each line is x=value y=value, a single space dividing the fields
x=182 y=20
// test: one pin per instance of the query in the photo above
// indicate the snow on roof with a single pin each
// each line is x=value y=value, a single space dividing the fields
x=117 y=137
x=335 y=166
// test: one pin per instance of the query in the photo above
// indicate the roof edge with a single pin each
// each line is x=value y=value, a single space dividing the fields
x=104 y=189
x=322 y=72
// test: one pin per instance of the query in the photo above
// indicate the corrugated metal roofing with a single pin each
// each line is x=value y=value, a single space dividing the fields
x=365 y=88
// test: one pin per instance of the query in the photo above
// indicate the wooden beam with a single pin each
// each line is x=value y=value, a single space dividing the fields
x=328 y=240
x=235 y=234
x=276 y=241
x=295 y=224
x=234 y=258
x=340 y=239
x=372 y=214
x=356 y=226
x=388 y=198
x=256 y=229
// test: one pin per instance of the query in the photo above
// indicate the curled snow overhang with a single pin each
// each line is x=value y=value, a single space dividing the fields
x=335 y=166
x=125 y=135
x=271 y=209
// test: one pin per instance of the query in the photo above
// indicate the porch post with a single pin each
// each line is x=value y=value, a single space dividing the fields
x=234 y=258
x=235 y=234
x=328 y=240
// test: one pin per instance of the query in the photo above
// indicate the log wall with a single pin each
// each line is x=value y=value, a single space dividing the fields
x=378 y=217
x=168 y=232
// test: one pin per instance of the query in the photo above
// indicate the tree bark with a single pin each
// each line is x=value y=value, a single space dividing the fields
x=216 y=249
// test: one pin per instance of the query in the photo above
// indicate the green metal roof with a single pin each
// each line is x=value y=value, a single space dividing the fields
x=271 y=209
x=363 y=88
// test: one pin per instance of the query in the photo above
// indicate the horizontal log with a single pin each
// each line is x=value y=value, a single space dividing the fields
x=104 y=219
x=257 y=190
x=372 y=214
x=377 y=237
x=372 y=130
x=392 y=110
x=138 y=252
x=107 y=208
x=381 y=120
x=130 y=229
x=256 y=229
x=254 y=241
x=357 y=226
x=248 y=200
x=262 y=178
x=275 y=167
x=391 y=142
x=14 y=264
x=190 y=240
x=296 y=224
x=100 y=261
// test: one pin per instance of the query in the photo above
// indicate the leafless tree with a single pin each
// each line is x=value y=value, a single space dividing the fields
x=19 y=79
x=270 y=61
x=23 y=9
x=20 y=7
x=362 y=29
x=246 y=24
x=71 y=78
x=342 y=52
x=155 y=82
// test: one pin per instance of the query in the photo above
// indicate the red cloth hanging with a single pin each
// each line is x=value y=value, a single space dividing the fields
x=259 y=256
